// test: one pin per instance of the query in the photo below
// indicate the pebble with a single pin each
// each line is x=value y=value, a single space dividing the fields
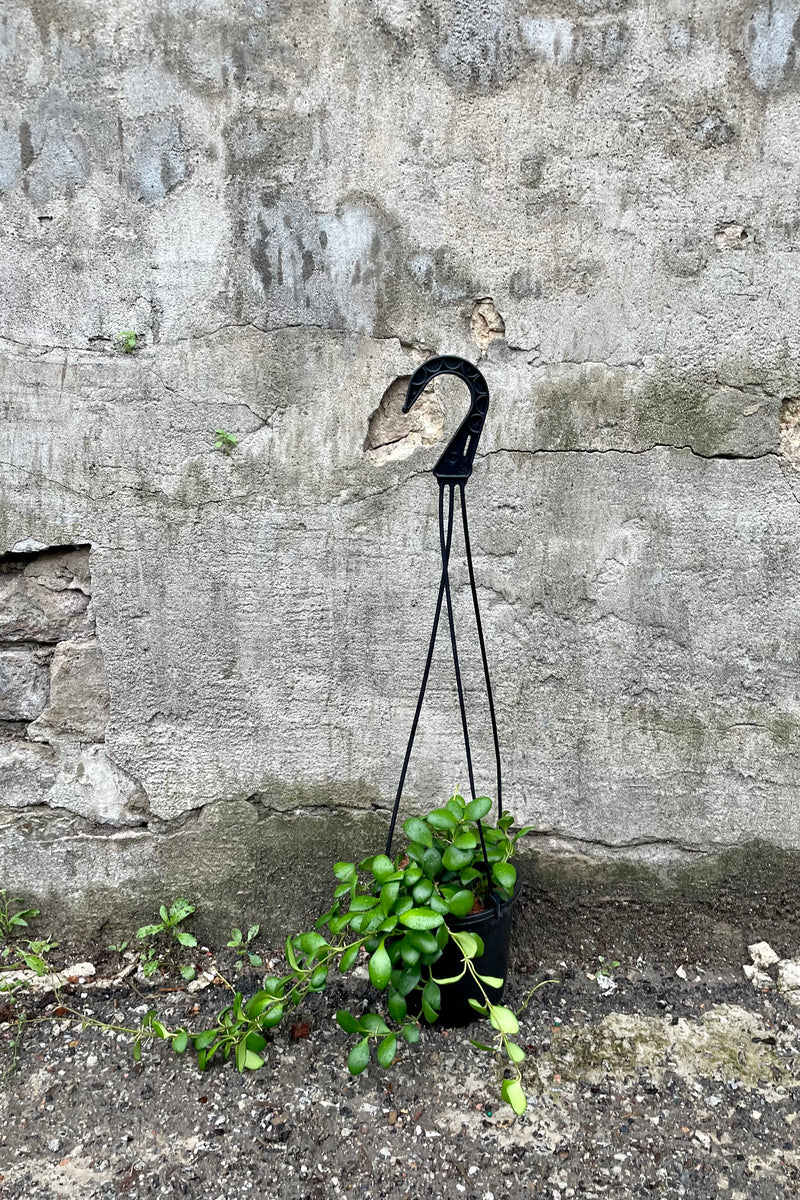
x=762 y=955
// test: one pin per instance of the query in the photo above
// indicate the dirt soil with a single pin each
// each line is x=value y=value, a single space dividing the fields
x=681 y=1079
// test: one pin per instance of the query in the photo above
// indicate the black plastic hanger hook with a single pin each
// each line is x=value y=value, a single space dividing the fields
x=459 y=453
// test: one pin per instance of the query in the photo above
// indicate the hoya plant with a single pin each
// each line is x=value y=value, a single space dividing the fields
x=397 y=914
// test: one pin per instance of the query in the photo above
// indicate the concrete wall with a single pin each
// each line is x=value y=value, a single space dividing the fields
x=292 y=205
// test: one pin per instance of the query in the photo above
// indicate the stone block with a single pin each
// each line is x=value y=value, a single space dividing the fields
x=45 y=597
x=24 y=684
x=79 y=699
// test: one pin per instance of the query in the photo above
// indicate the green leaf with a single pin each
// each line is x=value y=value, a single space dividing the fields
x=454 y=859
x=188 y=972
x=389 y=893
x=476 y=809
x=466 y=942
x=431 y=862
x=512 y=1093
x=180 y=1041
x=482 y=1046
x=363 y=903
x=408 y=980
x=476 y=1004
x=349 y=957
x=425 y=942
x=387 y=1049
x=503 y=1019
x=493 y=981
x=380 y=968
x=408 y=952
x=159 y=1030
x=421 y=918
x=272 y=1018
x=290 y=955
x=163 y=913
x=147 y=931
x=430 y=1014
x=257 y=1003
x=469 y=874
x=410 y=1034
x=515 y=1052
x=438 y=904
x=451 y=978
x=310 y=943
x=252 y=932
x=397 y=1006
x=461 y=904
x=358 y=1058
x=255 y=1042
x=241 y=1055
x=185 y=939
x=203 y=1040
x=347 y=1021
x=441 y=819
x=455 y=805
x=431 y=995
x=504 y=874
x=466 y=840
x=137 y=1050
x=319 y=978
x=344 y=871
x=252 y=1061
x=422 y=890
x=418 y=831
x=236 y=937
x=374 y=1023
x=382 y=867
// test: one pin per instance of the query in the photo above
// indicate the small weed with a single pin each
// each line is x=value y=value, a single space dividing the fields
x=127 y=341
x=605 y=968
x=11 y=918
x=166 y=932
x=226 y=442
x=241 y=945
x=120 y=949
x=16 y=953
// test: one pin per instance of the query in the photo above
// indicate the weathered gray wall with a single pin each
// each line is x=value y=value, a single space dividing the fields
x=292 y=205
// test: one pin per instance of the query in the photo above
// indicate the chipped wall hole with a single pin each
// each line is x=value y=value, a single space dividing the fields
x=486 y=324
x=789 y=432
x=393 y=434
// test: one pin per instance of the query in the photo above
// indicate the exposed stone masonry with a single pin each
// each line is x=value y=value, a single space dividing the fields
x=54 y=700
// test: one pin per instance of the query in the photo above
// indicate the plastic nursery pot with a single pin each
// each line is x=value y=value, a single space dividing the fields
x=493 y=925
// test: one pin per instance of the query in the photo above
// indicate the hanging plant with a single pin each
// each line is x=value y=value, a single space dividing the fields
x=409 y=919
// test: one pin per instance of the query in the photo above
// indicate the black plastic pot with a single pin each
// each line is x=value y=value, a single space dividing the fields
x=493 y=925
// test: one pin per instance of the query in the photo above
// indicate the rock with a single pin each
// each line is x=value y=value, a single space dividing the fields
x=79 y=700
x=759 y=979
x=27 y=773
x=762 y=955
x=24 y=684
x=45 y=597
x=789 y=980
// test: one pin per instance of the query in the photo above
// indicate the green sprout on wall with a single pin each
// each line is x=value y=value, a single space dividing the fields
x=226 y=442
x=127 y=341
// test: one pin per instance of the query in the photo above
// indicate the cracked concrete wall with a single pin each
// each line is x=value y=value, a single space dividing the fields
x=292 y=206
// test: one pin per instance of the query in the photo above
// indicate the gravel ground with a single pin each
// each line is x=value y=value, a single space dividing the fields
x=681 y=1080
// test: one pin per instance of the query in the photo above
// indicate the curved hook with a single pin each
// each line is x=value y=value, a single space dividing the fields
x=459 y=453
